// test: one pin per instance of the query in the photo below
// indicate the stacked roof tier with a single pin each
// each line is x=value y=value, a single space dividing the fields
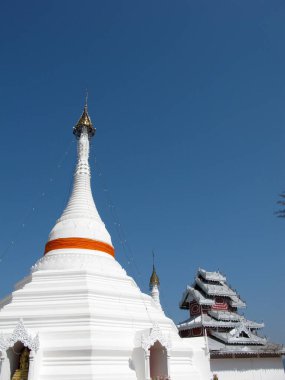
x=213 y=306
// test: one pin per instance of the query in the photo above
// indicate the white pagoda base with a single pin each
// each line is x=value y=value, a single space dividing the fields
x=84 y=318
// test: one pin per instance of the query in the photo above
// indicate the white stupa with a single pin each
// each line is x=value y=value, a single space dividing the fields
x=79 y=316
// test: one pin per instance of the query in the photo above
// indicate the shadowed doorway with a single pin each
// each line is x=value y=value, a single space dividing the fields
x=158 y=361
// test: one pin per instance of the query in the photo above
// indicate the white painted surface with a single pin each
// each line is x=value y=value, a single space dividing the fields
x=248 y=369
x=94 y=323
x=155 y=295
x=80 y=217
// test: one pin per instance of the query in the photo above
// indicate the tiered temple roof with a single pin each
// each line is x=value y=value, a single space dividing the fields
x=213 y=308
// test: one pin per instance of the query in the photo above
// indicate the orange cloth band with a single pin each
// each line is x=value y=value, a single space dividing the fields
x=82 y=243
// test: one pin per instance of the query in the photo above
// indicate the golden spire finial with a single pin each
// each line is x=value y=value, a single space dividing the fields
x=154 y=280
x=84 y=121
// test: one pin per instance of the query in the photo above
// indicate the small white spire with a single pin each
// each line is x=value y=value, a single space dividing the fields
x=154 y=292
x=154 y=284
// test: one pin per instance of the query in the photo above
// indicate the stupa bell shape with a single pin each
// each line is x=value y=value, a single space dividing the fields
x=80 y=225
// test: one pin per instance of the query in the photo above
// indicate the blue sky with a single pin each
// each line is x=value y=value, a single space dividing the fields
x=188 y=101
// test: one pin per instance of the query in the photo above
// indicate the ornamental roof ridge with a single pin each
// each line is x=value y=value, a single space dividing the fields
x=212 y=276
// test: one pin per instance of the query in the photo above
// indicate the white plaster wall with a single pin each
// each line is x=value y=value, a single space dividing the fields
x=90 y=322
x=137 y=362
x=200 y=356
x=248 y=369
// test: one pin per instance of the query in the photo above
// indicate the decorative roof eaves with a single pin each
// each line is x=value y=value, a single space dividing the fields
x=211 y=276
x=225 y=315
x=216 y=324
x=198 y=296
x=237 y=302
x=182 y=304
x=219 y=290
x=234 y=340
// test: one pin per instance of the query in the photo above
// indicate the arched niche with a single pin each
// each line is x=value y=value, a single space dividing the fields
x=157 y=353
x=158 y=361
x=16 y=355
x=10 y=347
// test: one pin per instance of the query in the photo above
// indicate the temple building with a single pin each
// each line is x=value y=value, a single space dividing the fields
x=79 y=316
x=236 y=348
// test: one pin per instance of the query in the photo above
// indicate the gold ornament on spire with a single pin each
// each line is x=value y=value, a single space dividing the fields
x=154 y=280
x=84 y=122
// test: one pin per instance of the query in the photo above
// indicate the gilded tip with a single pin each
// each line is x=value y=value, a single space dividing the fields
x=154 y=280
x=84 y=122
